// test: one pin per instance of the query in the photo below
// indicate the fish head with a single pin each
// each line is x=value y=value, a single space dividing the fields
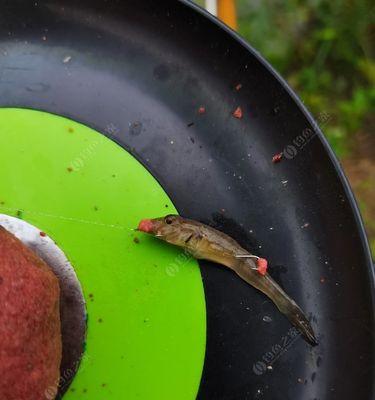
x=171 y=228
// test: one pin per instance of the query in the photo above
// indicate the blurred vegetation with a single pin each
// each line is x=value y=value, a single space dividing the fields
x=324 y=50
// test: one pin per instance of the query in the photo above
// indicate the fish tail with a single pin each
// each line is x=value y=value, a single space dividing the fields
x=298 y=318
x=284 y=303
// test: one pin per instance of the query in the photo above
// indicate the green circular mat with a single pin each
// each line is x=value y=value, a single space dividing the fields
x=145 y=301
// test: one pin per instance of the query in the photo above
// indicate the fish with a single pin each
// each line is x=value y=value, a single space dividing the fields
x=206 y=243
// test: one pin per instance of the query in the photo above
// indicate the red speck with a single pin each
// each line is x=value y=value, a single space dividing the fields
x=42 y=234
x=322 y=280
x=237 y=113
x=277 y=158
x=262 y=266
x=146 y=225
x=201 y=110
x=238 y=86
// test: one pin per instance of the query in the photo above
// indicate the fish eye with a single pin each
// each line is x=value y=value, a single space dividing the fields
x=168 y=219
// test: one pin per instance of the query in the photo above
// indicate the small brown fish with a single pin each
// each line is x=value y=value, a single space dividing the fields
x=204 y=242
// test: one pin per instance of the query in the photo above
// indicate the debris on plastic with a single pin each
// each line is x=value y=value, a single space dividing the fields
x=237 y=113
x=277 y=158
x=267 y=319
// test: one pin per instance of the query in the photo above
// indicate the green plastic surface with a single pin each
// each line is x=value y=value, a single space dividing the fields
x=146 y=309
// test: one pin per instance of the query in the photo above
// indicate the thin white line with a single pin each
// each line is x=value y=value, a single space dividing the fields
x=83 y=221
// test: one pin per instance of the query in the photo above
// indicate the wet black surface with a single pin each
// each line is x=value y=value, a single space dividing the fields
x=139 y=71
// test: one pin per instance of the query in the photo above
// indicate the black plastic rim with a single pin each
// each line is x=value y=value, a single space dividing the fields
x=139 y=72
